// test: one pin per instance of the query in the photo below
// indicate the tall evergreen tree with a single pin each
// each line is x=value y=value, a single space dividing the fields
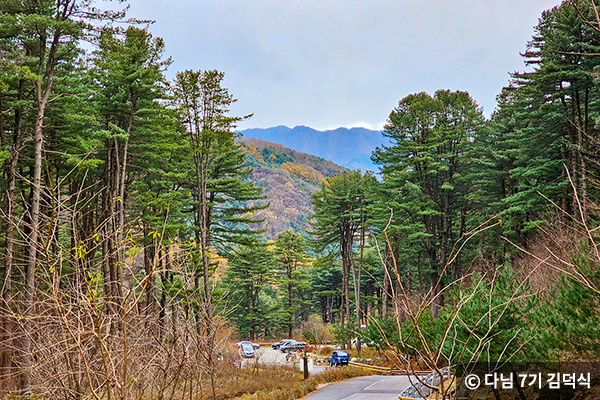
x=289 y=255
x=249 y=271
x=430 y=136
x=340 y=211
x=129 y=73
x=220 y=185
x=46 y=35
x=556 y=105
x=220 y=190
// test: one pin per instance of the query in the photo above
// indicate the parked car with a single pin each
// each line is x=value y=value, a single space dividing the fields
x=243 y=342
x=247 y=351
x=292 y=346
x=277 y=345
x=339 y=357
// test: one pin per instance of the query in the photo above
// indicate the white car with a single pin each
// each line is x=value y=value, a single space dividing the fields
x=246 y=351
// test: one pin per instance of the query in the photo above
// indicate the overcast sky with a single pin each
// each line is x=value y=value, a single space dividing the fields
x=332 y=63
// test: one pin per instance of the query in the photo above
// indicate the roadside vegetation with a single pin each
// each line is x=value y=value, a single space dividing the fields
x=293 y=386
x=130 y=242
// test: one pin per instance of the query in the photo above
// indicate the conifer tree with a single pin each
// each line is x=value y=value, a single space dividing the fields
x=290 y=254
x=556 y=104
x=46 y=37
x=340 y=211
x=249 y=271
x=129 y=73
x=430 y=136
x=220 y=186
x=221 y=194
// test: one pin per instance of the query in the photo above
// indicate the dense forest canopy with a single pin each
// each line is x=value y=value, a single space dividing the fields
x=131 y=240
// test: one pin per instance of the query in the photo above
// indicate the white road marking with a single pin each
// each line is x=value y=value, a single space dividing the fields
x=349 y=397
x=358 y=394
x=373 y=384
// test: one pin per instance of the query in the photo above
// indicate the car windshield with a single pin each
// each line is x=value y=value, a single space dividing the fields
x=342 y=353
x=247 y=348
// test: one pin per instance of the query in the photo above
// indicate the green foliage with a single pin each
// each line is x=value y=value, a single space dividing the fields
x=135 y=167
x=547 y=119
x=326 y=282
x=218 y=173
x=340 y=212
x=344 y=333
x=290 y=255
x=249 y=272
x=382 y=333
x=568 y=322
x=340 y=208
x=486 y=321
x=424 y=200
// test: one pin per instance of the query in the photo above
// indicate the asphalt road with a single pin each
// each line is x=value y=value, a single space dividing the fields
x=374 y=387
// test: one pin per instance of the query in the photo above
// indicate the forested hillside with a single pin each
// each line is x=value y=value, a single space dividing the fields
x=287 y=178
x=134 y=218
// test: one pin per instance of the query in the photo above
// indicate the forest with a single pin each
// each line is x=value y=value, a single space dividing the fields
x=130 y=249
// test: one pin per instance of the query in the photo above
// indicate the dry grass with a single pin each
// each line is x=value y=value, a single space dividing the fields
x=286 y=384
x=233 y=382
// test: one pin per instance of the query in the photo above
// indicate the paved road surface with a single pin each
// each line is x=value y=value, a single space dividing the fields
x=374 y=387
x=268 y=356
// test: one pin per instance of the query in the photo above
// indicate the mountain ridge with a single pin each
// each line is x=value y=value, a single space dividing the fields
x=348 y=147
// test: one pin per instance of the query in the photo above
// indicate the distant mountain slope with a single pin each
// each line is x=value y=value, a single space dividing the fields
x=351 y=148
x=288 y=178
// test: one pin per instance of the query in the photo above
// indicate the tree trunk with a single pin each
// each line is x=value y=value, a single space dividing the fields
x=43 y=94
x=6 y=327
x=290 y=300
x=356 y=275
x=438 y=300
x=387 y=284
x=164 y=278
x=149 y=259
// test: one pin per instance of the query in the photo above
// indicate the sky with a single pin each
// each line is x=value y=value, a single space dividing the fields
x=344 y=63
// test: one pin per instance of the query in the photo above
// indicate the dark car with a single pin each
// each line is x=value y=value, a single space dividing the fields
x=292 y=346
x=277 y=345
x=246 y=342
x=339 y=357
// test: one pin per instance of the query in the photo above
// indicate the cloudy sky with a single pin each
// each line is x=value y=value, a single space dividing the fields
x=332 y=63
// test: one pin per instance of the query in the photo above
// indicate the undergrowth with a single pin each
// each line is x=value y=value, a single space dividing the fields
x=287 y=384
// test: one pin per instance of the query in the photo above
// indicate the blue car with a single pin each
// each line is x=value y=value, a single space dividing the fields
x=339 y=357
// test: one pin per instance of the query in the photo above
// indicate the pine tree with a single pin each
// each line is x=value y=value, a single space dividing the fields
x=567 y=322
x=289 y=255
x=340 y=211
x=44 y=35
x=556 y=108
x=430 y=136
x=220 y=185
x=128 y=71
x=222 y=195
x=249 y=271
